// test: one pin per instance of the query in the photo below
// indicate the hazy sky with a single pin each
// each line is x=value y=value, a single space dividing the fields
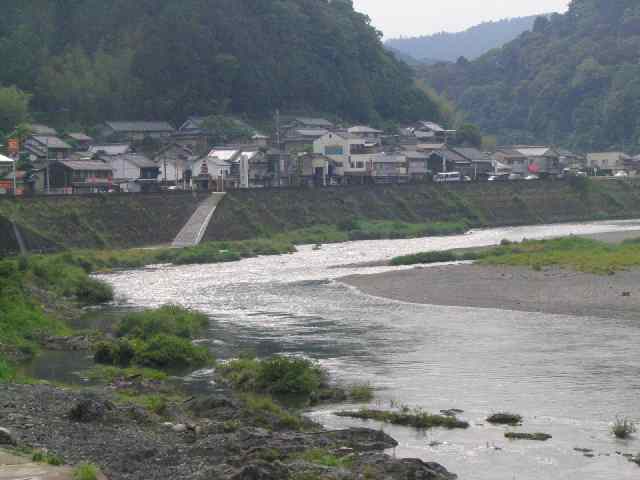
x=422 y=17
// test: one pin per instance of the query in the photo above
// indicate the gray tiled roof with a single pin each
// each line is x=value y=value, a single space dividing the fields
x=52 y=142
x=140 y=126
x=85 y=165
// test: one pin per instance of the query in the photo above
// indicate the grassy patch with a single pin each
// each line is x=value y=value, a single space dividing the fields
x=153 y=402
x=7 y=372
x=436 y=257
x=267 y=412
x=85 y=471
x=505 y=418
x=325 y=458
x=361 y=393
x=169 y=320
x=48 y=458
x=168 y=351
x=406 y=417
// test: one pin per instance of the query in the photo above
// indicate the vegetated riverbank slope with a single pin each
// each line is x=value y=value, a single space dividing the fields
x=252 y=213
x=572 y=276
x=94 y=221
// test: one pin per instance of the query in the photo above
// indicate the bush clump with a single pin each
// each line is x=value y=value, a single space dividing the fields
x=168 y=320
x=7 y=373
x=168 y=351
x=269 y=414
x=505 y=418
x=623 y=427
x=540 y=437
x=85 y=471
x=277 y=375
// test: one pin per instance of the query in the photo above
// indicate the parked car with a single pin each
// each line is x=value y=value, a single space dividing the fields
x=532 y=177
x=621 y=174
x=500 y=177
x=515 y=176
x=448 y=177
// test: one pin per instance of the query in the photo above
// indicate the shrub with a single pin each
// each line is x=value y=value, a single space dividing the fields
x=85 y=471
x=263 y=407
x=505 y=419
x=104 y=353
x=325 y=458
x=623 y=427
x=163 y=351
x=120 y=353
x=169 y=320
x=46 y=457
x=417 y=418
x=361 y=393
x=94 y=292
x=7 y=373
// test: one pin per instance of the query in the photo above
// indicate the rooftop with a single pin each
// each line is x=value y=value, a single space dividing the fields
x=137 y=126
x=111 y=149
x=86 y=165
x=52 y=142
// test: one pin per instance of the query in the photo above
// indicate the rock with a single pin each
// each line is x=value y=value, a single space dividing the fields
x=262 y=471
x=626 y=294
x=179 y=428
x=389 y=468
x=90 y=410
x=202 y=406
x=583 y=450
x=6 y=437
x=451 y=412
x=363 y=439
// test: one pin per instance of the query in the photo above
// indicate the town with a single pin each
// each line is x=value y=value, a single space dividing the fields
x=151 y=156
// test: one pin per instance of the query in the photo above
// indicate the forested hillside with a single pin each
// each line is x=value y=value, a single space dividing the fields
x=574 y=80
x=471 y=43
x=90 y=60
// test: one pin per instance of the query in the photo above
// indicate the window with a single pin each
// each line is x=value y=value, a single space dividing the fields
x=359 y=164
x=333 y=150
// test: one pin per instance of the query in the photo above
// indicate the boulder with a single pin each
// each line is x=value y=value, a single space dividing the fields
x=394 y=469
x=262 y=471
x=362 y=439
x=6 y=437
x=89 y=410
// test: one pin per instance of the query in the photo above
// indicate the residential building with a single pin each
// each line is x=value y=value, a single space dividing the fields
x=510 y=160
x=607 y=162
x=45 y=147
x=137 y=131
x=353 y=155
x=315 y=170
x=42 y=130
x=193 y=135
x=174 y=161
x=481 y=162
x=80 y=176
x=366 y=132
x=541 y=160
x=448 y=160
x=299 y=140
x=133 y=172
x=257 y=170
x=570 y=160
x=417 y=162
x=80 y=141
x=389 y=168
x=307 y=123
x=110 y=149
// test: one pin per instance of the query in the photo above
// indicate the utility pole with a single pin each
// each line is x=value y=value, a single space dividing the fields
x=48 y=171
x=278 y=128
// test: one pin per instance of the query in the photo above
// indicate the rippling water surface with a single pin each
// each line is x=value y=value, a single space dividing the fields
x=568 y=376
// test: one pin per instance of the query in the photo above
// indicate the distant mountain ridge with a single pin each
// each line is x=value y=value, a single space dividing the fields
x=471 y=43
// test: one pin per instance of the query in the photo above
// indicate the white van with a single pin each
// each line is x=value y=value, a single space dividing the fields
x=448 y=177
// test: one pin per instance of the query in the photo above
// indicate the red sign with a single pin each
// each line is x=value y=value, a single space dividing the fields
x=13 y=145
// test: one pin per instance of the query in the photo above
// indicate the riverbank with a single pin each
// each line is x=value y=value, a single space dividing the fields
x=551 y=290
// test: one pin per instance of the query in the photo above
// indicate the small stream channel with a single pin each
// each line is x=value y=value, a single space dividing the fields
x=568 y=376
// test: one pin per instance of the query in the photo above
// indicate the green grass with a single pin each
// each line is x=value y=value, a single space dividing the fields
x=168 y=351
x=157 y=403
x=169 y=319
x=266 y=411
x=48 y=458
x=361 y=393
x=325 y=458
x=538 y=437
x=576 y=253
x=7 y=372
x=412 y=418
x=623 y=427
x=85 y=471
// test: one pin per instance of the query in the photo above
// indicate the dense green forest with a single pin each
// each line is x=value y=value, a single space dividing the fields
x=470 y=43
x=90 y=60
x=574 y=80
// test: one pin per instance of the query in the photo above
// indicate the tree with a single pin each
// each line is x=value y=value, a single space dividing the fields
x=468 y=135
x=223 y=129
x=14 y=108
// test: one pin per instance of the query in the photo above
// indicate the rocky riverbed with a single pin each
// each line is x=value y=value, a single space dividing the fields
x=209 y=437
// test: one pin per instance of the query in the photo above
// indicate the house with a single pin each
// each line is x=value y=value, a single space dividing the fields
x=110 y=149
x=302 y=139
x=482 y=162
x=44 y=147
x=607 y=162
x=257 y=170
x=193 y=135
x=389 y=168
x=174 y=161
x=417 y=169
x=42 y=130
x=570 y=160
x=307 y=123
x=541 y=160
x=315 y=170
x=510 y=160
x=428 y=131
x=219 y=170
x=80 y=176
x=364 y=131
x=79 y=140
x=136 y=131
x=448 y=160
x=133 y=172
x=352 y=154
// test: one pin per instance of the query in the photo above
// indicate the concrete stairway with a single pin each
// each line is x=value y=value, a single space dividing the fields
x=192 y=233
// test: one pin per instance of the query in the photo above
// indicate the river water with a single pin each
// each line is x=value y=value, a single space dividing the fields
x=567 y=376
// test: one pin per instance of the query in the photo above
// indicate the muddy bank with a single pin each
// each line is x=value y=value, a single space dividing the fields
x=551 y=290
x=212 y=437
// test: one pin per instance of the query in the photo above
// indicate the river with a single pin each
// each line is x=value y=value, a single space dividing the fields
x=567 y=376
